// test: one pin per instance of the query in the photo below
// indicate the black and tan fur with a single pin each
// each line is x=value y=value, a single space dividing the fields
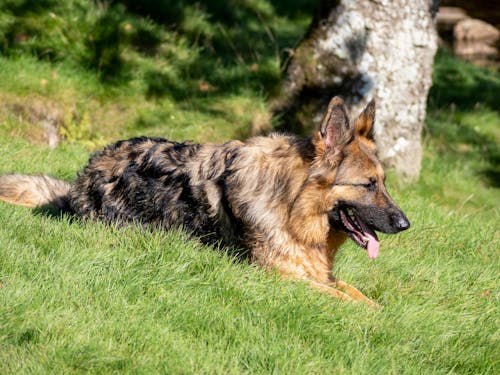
x=284 y=199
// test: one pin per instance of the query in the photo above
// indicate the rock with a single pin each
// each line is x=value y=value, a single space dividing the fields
x=46 y=117
x=476 y=30
x=448 y=17
x=486 y=10
x=476 y=41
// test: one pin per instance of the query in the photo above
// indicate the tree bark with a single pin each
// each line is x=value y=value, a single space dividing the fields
x=364 y=49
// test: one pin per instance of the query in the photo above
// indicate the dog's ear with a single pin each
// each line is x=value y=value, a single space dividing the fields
x=364 y=125
x=335 y=124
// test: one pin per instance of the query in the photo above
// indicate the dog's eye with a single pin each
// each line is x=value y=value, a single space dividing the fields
x=372 y=185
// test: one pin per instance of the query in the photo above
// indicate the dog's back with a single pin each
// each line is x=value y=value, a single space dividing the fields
x=153 y=181
x=213 y=191
x=209 y=190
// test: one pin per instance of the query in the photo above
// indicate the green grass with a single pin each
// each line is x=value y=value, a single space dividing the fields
x=84 y=297
x=79 y=296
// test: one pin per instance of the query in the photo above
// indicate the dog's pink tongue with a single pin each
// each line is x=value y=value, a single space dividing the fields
x=373 y=246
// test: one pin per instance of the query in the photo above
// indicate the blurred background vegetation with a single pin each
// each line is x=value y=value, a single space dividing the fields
x=167 y=43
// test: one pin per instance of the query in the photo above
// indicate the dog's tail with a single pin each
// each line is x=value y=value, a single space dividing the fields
x=34 y=191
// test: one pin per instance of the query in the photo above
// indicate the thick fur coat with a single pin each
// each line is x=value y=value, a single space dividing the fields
x=290 y=202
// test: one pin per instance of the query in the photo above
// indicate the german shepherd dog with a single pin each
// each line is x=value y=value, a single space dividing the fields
x=289 y=202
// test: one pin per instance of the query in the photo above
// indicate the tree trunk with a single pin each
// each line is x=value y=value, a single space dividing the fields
x=364 y=49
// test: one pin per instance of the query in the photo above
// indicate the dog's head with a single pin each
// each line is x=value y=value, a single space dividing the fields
x=358 y=202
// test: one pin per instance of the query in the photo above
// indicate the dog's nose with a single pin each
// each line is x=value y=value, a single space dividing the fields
x=402 y=223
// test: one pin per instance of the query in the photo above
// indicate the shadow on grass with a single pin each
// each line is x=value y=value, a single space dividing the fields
x=223 y=33
x=461 y=139
x=54 y=213
x=463 y=84
x=239 y=254
x=460 y=94
x=239 y=46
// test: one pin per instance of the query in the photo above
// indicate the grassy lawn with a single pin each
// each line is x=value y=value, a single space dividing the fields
x=84 y=297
